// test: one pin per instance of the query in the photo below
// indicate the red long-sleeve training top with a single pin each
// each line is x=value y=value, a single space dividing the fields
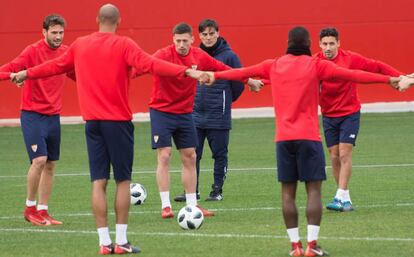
x=295 y=84
x=340 y=98
x=39 y=95
x=102 y=63
x=176 y=94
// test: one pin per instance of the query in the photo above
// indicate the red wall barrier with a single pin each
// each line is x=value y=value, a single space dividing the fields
x=256 y=30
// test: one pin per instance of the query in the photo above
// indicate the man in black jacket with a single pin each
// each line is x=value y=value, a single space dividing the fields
x=212 y=108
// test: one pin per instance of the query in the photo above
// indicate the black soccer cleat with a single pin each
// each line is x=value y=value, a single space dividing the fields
x=216 y=194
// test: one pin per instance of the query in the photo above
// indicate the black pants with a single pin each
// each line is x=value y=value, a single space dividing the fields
x=218 y=140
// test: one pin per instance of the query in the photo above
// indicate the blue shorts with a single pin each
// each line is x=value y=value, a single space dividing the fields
x=341 y=129
x=302 y=160
x=110 y=142
x=41 y=135
x=165 y=126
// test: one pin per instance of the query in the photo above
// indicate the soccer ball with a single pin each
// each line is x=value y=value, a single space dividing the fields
x=138 y=193
x=190 y=217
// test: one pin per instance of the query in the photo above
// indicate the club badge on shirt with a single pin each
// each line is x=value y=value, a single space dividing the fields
x=194 y=66
x=34 y=148
x=156 y=137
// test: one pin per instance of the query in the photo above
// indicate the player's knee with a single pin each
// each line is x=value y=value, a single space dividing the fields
x=164 y=158
x=39 y=162
x=334 y=158
x=189 y=157
x=345 y=158
x=50 y=167
x=99 y=185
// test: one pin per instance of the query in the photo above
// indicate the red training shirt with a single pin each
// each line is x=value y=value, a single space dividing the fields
x=295 y=89
x=39 y=95
x=340 y=98
x=102 y=63
x=176 y=94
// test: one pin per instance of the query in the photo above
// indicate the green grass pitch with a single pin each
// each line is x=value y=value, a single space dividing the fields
x=248 y=221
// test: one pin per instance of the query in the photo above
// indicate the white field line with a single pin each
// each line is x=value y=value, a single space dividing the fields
x=368 y=166
x=215 y=235
x=397 y=205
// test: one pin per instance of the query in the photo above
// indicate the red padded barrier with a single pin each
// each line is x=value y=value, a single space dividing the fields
x=256 y=30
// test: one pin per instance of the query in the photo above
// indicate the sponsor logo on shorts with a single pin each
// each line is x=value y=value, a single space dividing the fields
x=352 y=136
x=156 y=137
x=34 y=148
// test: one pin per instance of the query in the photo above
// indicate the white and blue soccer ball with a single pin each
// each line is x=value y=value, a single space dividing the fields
x=138 y=193
x=190 y=217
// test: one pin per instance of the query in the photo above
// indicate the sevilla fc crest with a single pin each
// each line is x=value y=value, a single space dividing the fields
x=34 y=148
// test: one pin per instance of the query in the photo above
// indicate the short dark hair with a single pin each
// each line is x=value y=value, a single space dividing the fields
x=299 y=36
x=329 y=32
x=182 y=28
x=208 y=23
x=52 y=20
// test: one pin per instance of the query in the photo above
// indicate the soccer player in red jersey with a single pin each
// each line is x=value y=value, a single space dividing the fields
x=212 y=109
x=171 y=107
x=340 y=107
x=295 y=79
x=41 y=103
x=103 y=61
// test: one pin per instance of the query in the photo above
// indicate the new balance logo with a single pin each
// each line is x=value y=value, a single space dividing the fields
x=352 y=136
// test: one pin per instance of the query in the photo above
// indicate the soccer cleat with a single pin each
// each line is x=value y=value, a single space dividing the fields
x=167 y=213
x=205 y=212
x=313 y=250
x=106 y=249
x=32 y=215
x=46 y=216
x=335 y=205
x=126 y=248
x=216 y=194
x=347 y=206
x=181 y=198
x=297 y=249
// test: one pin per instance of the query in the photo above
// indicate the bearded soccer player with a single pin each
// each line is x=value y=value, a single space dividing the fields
x=340 y=107
x=102 y=61
x=41 y=103
x=295 y=81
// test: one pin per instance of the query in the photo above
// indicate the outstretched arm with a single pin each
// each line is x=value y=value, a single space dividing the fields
x=366 y=64
x=143 y=62
x=330 y=71
x=261 y=70
x=21 y=62
x=59 y=65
